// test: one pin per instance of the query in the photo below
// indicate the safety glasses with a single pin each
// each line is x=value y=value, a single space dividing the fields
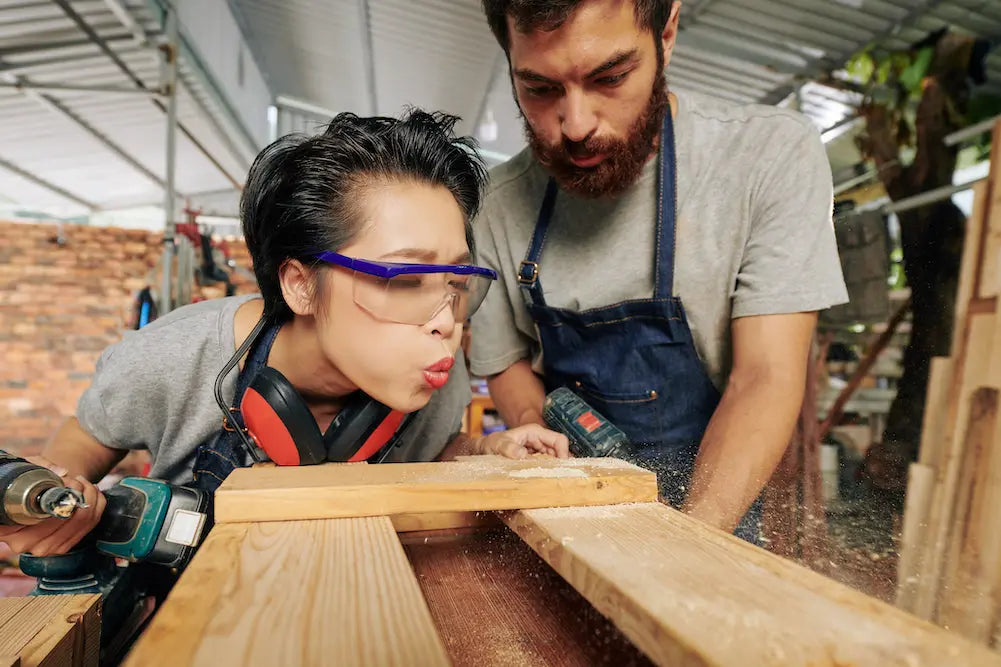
x=414 y=293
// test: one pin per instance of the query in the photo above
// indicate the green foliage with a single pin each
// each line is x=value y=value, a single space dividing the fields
x=861 y=66
x=914 y=69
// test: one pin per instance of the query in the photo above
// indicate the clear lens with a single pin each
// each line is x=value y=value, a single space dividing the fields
x=415 y=298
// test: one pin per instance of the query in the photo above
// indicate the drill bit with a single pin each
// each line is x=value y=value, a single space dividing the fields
x=61 y=502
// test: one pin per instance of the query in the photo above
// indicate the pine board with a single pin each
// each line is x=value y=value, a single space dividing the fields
x=339 y=491
x=337 y=592
x=51 y=630
x=687 y=594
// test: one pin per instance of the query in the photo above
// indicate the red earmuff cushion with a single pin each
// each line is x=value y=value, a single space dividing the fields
x=379 y=437
x=268 y=430
x=280 y=422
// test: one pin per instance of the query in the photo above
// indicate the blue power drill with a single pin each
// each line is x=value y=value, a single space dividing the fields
x=590 y=434
x=145 y=522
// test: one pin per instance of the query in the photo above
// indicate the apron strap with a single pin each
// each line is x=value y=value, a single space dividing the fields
x=528 y=271
x=667 y=211
x=256 y=360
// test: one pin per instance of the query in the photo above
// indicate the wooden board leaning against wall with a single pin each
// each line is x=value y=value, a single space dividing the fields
x=950 y=567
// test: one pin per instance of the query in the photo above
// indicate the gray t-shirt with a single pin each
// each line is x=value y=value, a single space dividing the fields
x=754 y=234
x=154 y=390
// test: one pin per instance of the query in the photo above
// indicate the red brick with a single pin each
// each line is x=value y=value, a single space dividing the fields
x=62 y=305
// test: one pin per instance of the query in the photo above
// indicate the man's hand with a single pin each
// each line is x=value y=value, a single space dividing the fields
x=57 y=536
x=518 y=443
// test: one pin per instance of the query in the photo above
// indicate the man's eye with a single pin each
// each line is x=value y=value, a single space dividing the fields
x=541 y=91
x=613 y=80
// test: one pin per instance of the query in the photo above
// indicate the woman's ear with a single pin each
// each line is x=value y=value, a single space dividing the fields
x=298 y=286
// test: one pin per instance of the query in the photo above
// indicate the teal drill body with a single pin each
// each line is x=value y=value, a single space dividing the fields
x=589 y=432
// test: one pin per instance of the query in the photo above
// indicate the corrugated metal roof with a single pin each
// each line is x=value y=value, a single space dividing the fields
x=440 y=53
x=54 y=143
x=377 y=56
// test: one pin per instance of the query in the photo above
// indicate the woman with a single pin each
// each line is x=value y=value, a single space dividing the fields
x=361 y=243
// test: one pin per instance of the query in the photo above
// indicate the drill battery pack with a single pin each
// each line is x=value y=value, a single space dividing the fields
x=589 y=432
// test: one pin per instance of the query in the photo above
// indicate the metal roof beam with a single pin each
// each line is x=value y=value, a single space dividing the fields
x=127 y=21
x=40 y=47
x=56 y=61
x=57 y=108
x=75 y=88
x=51 y=187
x=96 y=39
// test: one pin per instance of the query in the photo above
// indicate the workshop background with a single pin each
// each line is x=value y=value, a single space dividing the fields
x=128 y=120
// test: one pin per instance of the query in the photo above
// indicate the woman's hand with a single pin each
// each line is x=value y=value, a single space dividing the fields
x=518 y=443
x=57 y=536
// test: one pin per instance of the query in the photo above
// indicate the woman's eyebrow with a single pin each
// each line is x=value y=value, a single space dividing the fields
x=424 y=255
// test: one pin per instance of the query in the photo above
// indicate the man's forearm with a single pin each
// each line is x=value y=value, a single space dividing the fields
x=77 y=451
x=518 y=394
x=742 y=446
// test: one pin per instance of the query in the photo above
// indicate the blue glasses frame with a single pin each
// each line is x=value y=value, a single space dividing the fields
x=393 y=269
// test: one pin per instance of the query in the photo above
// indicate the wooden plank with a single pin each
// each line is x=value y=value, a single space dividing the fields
x=920 y=488
x=990 y=272
x=973 y=374
x=495 y=602
x=411 y=523
x=25 y=617
x=72 y=637
x=51 y=630
x=936 y=407
x=337 y=592
x=961 y=606
x=969 y=268
x=687 y=594
x=169 y=639
x=336 y=491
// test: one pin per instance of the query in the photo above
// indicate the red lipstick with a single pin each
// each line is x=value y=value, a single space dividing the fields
x=436 y=375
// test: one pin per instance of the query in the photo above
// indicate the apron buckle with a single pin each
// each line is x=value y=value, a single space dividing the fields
x=528 y=273
x=226 y=423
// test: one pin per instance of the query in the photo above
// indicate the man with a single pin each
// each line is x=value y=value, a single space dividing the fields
x=629 y=202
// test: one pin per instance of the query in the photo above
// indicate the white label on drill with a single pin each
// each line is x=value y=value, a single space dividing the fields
x=185 y=528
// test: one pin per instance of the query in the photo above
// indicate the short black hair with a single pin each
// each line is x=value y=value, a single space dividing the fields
x=303 y=192
x=548 y=15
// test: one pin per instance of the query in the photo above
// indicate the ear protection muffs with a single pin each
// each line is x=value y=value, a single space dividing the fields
x=278 y=420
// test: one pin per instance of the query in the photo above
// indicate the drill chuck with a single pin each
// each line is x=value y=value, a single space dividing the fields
x=29 y=493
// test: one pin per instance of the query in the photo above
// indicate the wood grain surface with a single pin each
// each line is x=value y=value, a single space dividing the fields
x=687 y=594
x=495 y=602
x=51 y=630
x=337 y=592
x=337 y=491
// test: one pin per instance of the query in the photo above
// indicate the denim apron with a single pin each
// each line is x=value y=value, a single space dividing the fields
x=225 y=451
x=634 y=361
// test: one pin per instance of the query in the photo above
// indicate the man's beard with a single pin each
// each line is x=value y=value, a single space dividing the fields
x=625 y=157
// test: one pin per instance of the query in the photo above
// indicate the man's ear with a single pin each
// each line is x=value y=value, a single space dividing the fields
x=670 y=34
x=298 y=285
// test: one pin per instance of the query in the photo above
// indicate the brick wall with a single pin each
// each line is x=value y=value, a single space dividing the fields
x=60 y=306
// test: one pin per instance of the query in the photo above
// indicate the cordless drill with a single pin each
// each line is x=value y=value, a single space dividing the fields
x=589 y=432
x=145 y=521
